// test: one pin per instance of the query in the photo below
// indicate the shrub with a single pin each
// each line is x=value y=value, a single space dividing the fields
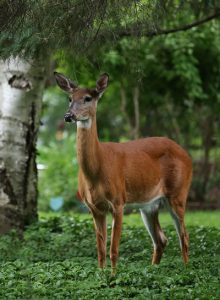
x=58 y=178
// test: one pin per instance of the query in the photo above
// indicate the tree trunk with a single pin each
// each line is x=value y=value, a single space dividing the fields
x=134 y=121
x=136 y=113
x=175 y=129
x=207 y=136
x=124 y=110
x=21 y=87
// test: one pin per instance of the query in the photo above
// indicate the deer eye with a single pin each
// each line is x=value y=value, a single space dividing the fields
x=88 y=99
x=70 y=99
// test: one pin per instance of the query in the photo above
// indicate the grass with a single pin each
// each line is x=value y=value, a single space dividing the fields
x=57 y=260
x=192 y=218
x=201 y=218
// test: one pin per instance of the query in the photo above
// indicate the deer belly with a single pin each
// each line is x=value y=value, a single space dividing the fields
x=142 y=179
x=144 y=191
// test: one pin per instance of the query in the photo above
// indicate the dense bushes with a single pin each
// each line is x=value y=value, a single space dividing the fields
x=58 y=177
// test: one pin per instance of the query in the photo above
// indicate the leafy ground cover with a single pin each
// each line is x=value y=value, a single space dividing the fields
x=56 y=259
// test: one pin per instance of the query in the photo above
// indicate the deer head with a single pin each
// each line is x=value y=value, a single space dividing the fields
x=83 y=101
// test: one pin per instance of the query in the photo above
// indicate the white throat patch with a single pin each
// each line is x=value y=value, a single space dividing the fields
x=84 y=123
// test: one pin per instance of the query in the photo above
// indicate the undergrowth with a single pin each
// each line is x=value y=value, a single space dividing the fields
x=56 y=259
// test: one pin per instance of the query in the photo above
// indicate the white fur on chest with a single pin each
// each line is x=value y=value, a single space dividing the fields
x=87 y=124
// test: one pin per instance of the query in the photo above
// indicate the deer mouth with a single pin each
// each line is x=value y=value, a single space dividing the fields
x=71 y=118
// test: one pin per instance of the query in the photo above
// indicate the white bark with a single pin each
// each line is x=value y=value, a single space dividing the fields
x=21 y=87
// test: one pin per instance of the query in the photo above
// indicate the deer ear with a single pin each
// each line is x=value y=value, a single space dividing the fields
x=102 y=83
x=65 y=83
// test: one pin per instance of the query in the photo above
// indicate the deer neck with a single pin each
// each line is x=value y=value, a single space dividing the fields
x=88 y=148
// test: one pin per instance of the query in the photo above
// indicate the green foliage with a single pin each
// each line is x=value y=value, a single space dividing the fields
x=32 y=27
x=176 y=75
x=57 y=260
x=59 y=176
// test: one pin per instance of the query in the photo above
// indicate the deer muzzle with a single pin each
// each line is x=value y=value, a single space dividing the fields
x=69 y=117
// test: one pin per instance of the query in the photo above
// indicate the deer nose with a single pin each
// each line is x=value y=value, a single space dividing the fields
x=68 y=117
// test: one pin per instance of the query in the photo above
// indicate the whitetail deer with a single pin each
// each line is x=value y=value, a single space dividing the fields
x=150 y=171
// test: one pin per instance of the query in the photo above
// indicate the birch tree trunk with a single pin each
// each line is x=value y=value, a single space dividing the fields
x=21 y=88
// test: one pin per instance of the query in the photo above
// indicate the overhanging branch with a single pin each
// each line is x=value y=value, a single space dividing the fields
x=142 y=32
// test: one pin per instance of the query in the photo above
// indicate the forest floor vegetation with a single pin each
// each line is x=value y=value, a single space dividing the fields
x=56 y=259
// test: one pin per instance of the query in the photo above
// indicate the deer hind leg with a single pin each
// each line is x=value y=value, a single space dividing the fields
x=151 y=222
x=101 y=234
x=177 y=211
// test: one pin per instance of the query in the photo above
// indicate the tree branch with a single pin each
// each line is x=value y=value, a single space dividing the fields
x=141 y=32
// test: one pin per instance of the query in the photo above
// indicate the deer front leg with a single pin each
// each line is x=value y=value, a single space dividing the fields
x=100 y=229
x=117 y=216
